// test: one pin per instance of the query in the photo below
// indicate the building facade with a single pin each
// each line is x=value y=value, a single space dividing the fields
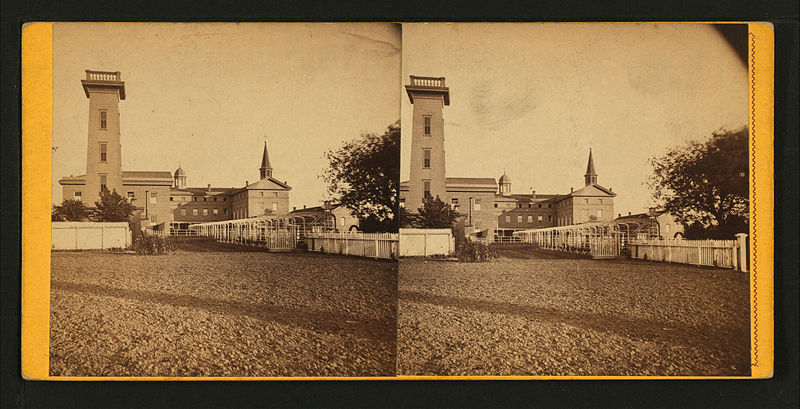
x=161 y=199
x=488 y=207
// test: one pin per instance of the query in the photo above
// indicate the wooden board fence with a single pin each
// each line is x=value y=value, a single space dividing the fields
x=714 y=253
x=372 y=245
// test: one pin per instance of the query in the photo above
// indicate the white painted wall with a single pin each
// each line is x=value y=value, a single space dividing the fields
x=89 y=235
x=426 y=242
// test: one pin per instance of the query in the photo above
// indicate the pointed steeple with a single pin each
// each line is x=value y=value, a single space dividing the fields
x=266 y=169
x=591 y=176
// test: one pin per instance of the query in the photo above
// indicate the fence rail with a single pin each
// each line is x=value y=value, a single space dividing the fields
x=372 y=245
x=715 y=253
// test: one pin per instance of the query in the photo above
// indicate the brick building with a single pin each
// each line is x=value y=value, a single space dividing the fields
x=161 y=199
x=488 y=207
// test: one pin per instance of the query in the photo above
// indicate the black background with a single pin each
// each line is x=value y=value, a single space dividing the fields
x=780 y=391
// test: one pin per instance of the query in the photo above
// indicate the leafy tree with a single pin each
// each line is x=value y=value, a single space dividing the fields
x=70 y=211
x=112 y=207
x=436 y=214
x=364 y=175
x=706 y=184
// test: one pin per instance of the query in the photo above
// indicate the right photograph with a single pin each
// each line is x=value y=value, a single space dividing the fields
x=574 y=200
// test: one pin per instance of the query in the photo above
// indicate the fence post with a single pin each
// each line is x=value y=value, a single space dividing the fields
x=742 y=238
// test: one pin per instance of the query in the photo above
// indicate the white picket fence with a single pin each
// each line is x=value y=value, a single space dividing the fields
x=372 y=245
x=716 y=253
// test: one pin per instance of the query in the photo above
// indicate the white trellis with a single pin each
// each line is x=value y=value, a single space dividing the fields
x=276 y=233
x=599 y=239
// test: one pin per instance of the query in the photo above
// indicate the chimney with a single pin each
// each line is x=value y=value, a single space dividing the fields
x=294 y=208
x=304 y=206
x=533 y=194
x=629 y=213
x=619 y=214
x=209 y=187
x=246 y=183
x=570 y=189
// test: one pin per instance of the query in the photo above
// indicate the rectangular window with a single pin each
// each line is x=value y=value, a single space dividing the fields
x=194 y=198
x=274 y=194
x=76 y=196
x=103 y=120
x=215 y=199
x=586 y=201
x=601 y=201
x=519 y=219
x=103 y=182
x=426 y=159
x=131 y=196
x=341 y=221
x=508 y=219
x=261 y=194
x=599 y=213
x=153 y=218
x=216 y=211
x=224 y=210
x=153 y=198
x=477 y=204
x=103 y=152
x=426 y=188
x=530 y=205
x=540 y=205
x=194 y=212
x=539 y=219
x=495 y=205
x=205 y=212
x=183 y=212
x=519 y=205
x=205 y=198
x=170 y=199
x=549 y=218
x=224 y=199
x=454 y=203
x=530 y=218
x=403 y=202
x=427 y=120
x=274 y=206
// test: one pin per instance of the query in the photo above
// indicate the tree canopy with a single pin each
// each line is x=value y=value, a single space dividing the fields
x=436 y=214
x=705 y=184
x=112 y=207
x=364 y=175
x=70 y=211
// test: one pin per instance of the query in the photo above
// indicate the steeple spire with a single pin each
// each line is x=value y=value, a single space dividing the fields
x=266 y=169
x=591 y=176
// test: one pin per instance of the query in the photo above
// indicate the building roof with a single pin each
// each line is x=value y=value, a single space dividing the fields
x=265 y=158
x=590 y=166
x=505 y=178
x=641 y=215
x=195 y=190
x=180 y=172
x=470 y=181
x=146 y=174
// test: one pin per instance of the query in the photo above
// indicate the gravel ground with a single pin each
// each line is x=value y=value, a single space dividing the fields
x=204 y=313
x=542 y=316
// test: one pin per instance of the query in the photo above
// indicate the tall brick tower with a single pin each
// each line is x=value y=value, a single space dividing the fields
x=427 y=171
x=104 y=151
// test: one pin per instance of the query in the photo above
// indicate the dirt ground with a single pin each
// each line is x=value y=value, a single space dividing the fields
x=532 y=314
x=213 y=310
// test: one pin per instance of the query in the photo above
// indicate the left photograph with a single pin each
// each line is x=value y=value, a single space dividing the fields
x=224 y=200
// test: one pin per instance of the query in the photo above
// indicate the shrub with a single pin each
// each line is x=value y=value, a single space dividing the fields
x=471 y=252
x=154 y=245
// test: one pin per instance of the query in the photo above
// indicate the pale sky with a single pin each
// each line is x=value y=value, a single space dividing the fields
x=531 y=98
x=205 y=96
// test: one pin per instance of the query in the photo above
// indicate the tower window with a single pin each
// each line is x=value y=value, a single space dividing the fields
x=426 y=160
x=103 y=183
x=427 y=120
x=103 y=152
x=426 y=188
x=153 y=198
x=103 y=120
